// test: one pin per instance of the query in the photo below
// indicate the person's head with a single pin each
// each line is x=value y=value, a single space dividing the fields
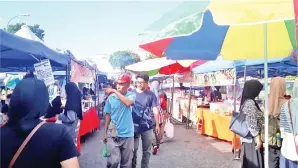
x=276 y=96
x=251 y=90
x=29 y=101
x=217 y=88
x=123 y=83
x=142 y=81
x=8 y=98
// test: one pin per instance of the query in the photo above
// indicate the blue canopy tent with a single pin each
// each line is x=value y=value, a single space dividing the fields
x=20 y=53
x=277 y=67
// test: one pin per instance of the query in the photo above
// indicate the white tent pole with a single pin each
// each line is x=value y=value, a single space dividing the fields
x=266 y=97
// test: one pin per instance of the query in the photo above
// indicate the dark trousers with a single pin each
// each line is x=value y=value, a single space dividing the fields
x=274 y=154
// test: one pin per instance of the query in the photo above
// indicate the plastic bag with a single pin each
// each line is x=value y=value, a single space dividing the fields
x=169 y=129
x=105 y=152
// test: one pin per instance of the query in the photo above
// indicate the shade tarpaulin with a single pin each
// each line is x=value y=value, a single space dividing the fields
x=20 y=52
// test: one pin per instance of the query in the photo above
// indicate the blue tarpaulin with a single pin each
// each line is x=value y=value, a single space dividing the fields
x=281 y=66
x=16 y=52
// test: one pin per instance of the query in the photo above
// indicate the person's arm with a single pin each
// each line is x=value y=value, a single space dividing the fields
x=155 y=110
x=70 y=163
x=107 y=110
x=125 y=100
x=68 y=152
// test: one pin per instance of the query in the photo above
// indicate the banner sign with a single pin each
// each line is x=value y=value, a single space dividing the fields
x=80 y=73
x=185 y=77
x=220 y=78
x=44 y=72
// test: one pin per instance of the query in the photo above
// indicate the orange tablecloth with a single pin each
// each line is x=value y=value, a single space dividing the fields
x=216 y=125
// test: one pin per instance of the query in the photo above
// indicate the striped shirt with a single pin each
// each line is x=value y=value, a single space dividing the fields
x=285 y=124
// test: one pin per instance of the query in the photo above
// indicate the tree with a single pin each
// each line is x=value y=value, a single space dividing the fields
x=121 y=59
x=35 y=29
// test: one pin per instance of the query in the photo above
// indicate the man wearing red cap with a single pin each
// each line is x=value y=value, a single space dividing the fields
x=120 y=124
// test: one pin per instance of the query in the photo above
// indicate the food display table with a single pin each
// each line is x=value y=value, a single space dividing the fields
x=216 y=125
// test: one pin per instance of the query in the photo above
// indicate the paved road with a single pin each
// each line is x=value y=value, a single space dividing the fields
x=187 y=150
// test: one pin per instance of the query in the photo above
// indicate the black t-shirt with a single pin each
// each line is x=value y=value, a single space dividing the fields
x=50 y=145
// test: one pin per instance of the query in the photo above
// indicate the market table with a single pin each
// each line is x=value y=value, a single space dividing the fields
x=217 y=126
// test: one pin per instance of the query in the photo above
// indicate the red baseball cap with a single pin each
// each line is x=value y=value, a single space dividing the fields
x=124 y=79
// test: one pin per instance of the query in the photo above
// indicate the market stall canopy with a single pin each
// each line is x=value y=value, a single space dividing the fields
x=25 y=32
x=217 y=65
x=20 y=52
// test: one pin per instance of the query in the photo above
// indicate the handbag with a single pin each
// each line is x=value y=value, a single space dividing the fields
x=17 y=154
x=137 y=127
x=294 y=135
x=169 y=129
x=238 y=124
x=113 y=126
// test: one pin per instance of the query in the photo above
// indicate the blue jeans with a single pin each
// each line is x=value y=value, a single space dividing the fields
x=146 y=137
x=285 y=163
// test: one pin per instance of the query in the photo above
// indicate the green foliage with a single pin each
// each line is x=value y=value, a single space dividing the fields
x=151 y=56
x=35 y=29
x=121 y=59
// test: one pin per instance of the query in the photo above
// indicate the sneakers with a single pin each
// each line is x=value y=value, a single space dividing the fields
x=155 y=149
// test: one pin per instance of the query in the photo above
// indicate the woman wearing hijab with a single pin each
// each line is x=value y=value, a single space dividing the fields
x=275 y=101
x=289 y=130
x=50 y=147
x=251 y=147
x=73 y=110
x=55 y=108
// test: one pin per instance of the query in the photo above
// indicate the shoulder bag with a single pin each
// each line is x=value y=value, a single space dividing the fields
x=113 y=125
x=17 y=154
x=238 y=124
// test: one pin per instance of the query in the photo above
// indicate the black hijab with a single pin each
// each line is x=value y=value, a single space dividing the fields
x=73 y=99
x=55 y=108
x=28 y=103
x=251 y=90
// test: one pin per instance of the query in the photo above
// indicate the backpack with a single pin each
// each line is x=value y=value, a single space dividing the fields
x=273 y=133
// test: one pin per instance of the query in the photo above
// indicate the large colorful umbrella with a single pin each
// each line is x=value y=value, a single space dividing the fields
x=233 y=42
x=161 y=66
x=181 y=25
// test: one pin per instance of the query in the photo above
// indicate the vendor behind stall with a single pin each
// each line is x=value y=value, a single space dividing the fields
x=208 y=94
x=217 y=93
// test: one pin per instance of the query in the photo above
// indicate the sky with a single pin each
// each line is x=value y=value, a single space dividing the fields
x=88 y=29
